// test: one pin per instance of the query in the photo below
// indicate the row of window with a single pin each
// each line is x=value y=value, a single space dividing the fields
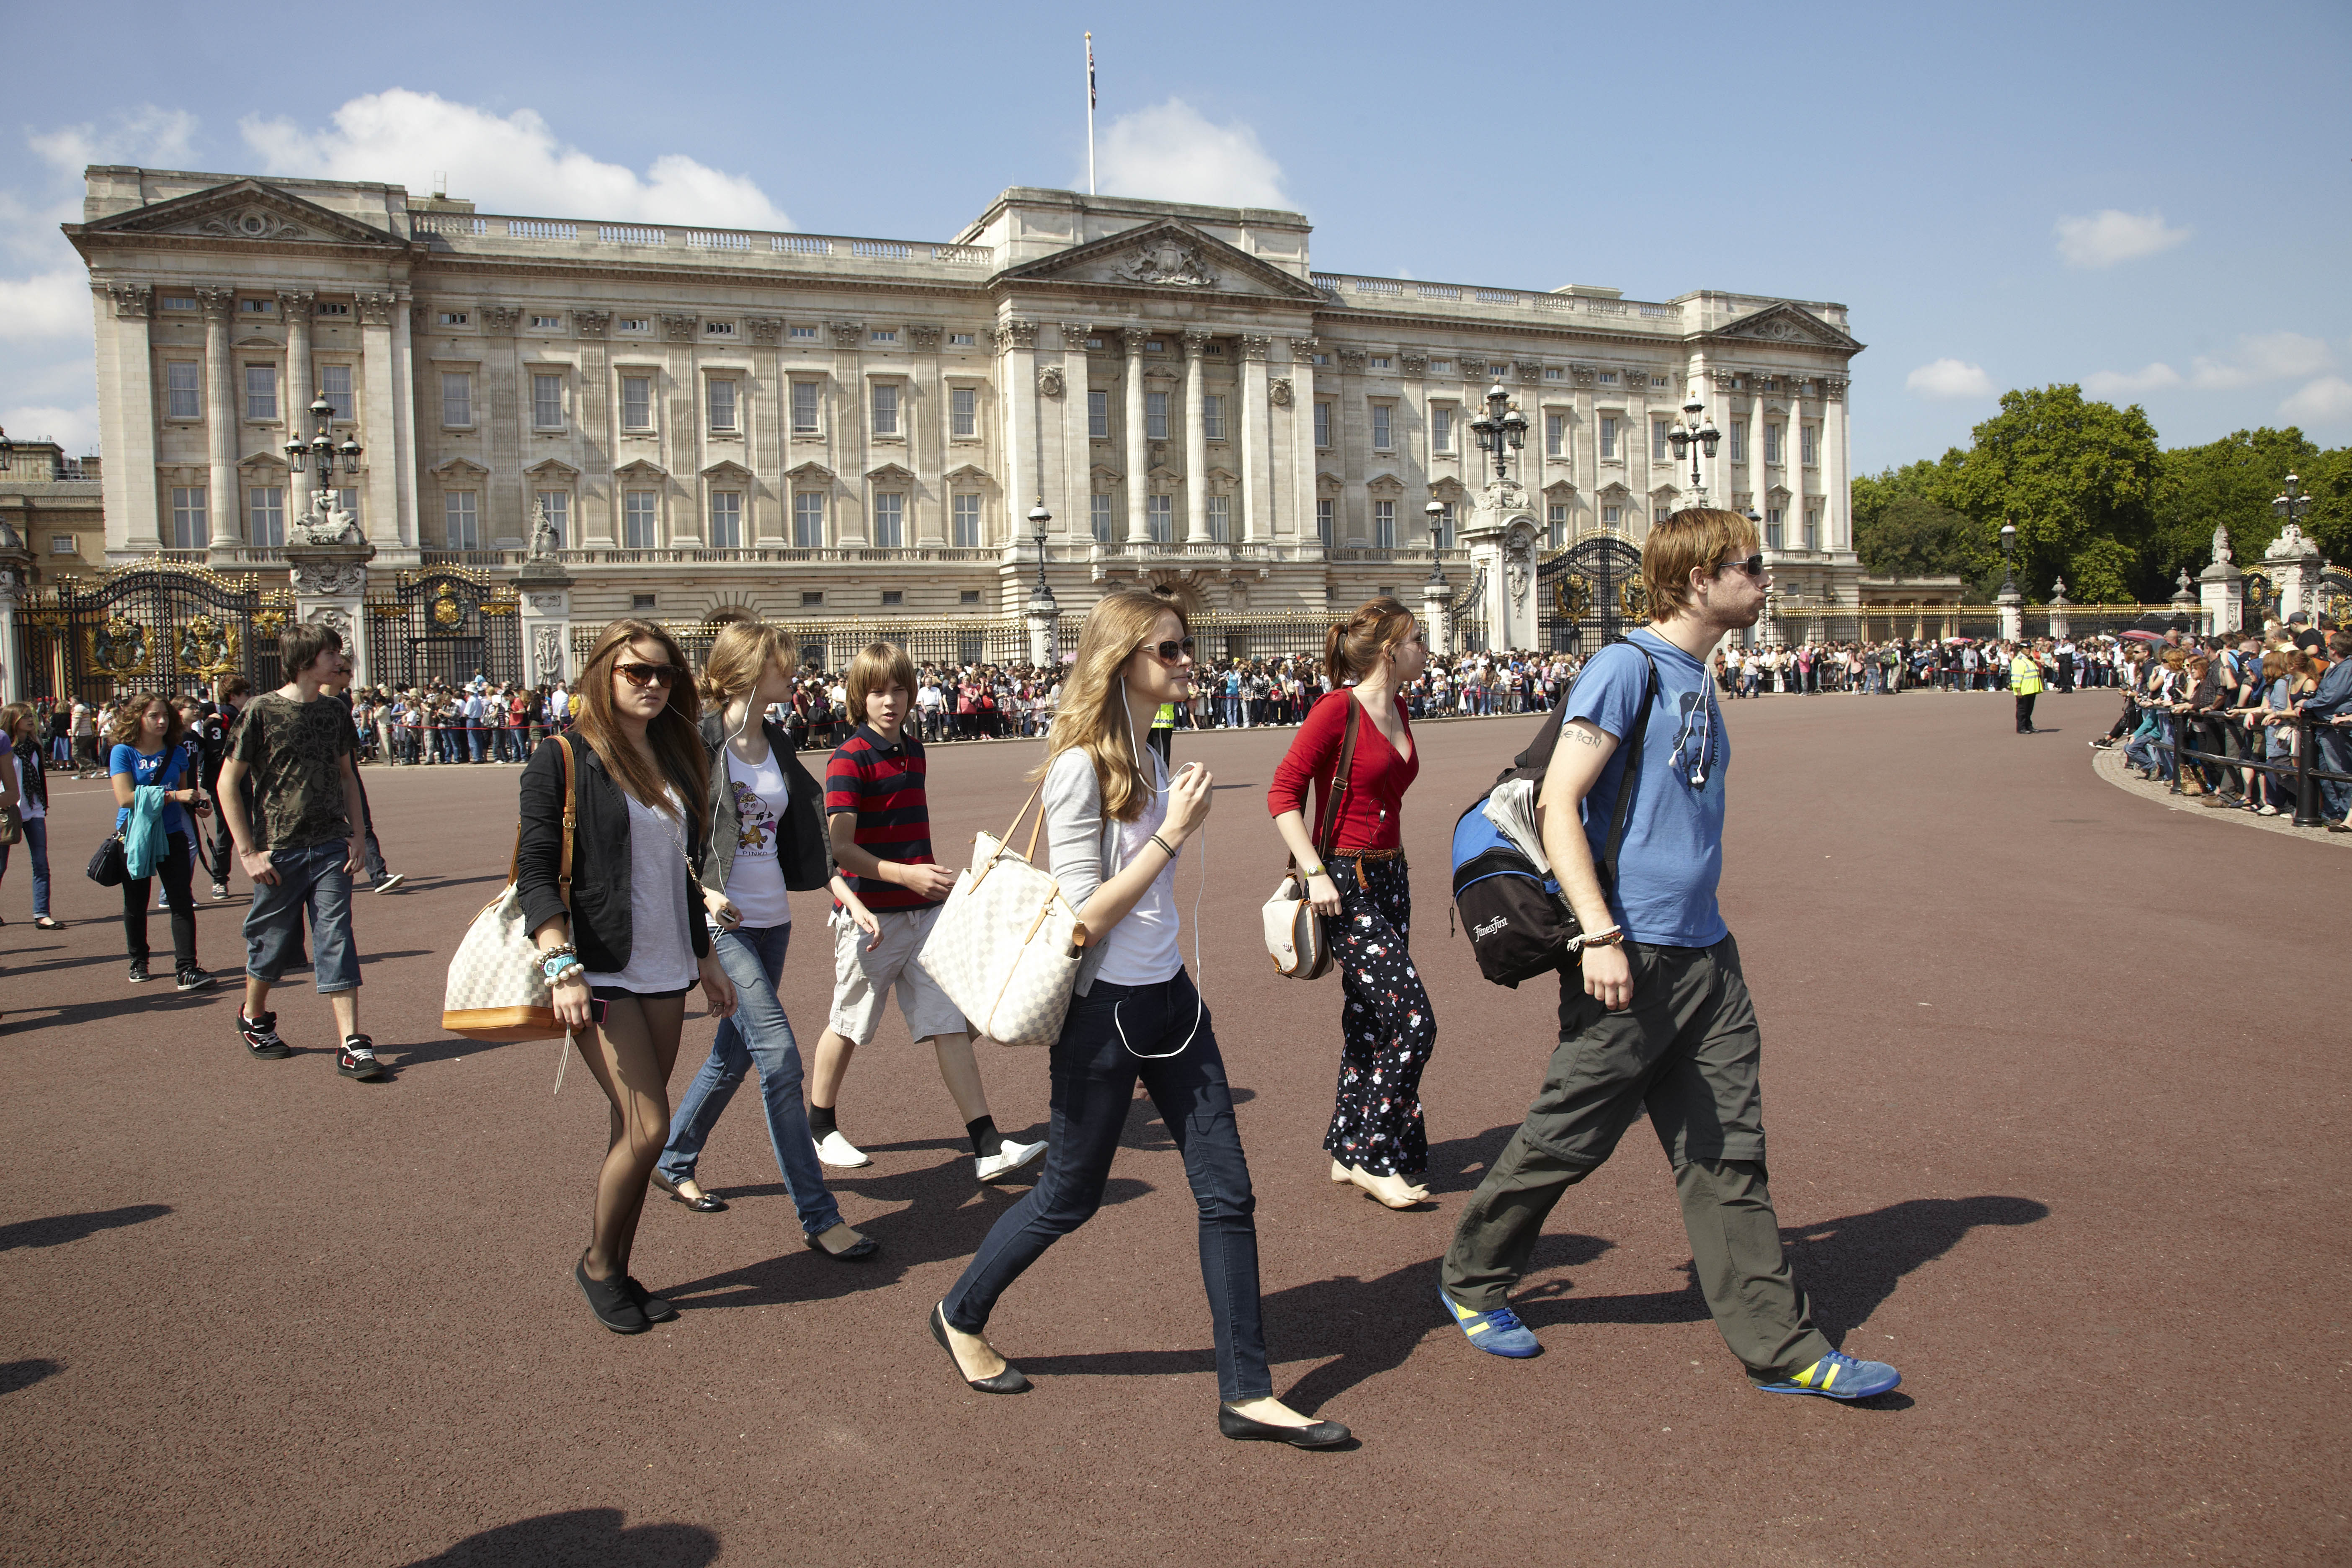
x=257 y=305
x=184 y=390
x=718 y=327
x=265 y=516
x=1611 y=428
x=640 y=518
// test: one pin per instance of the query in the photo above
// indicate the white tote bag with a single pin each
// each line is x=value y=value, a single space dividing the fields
x=496 y=989
x=1006 y=946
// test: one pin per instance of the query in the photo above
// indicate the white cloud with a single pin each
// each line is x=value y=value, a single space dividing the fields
x=2326 y=402
x=2274 y=356
x=75 y=429
x=149 y=136
x=53 y=305
x=2130 y=382
x=511 y=165
x=1169 y=153
x=1949 y=378
x=2107 y=237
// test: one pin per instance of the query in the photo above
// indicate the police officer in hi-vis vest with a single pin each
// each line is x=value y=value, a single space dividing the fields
x=2025 y=684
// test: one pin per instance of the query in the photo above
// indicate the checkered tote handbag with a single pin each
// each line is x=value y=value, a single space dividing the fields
x=1006 y=946
x=496 y=989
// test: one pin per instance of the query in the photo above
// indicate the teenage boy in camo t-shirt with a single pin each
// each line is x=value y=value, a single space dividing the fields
x=298 y=751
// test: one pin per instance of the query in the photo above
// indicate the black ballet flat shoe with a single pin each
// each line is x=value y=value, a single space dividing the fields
x=867 y=1247
x=656 y=1309
x=610 y=1302
x=706 y=1204
x=1321 y=1435
x=1009 y=1381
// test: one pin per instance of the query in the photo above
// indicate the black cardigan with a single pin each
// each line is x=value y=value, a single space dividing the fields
x=600 y=856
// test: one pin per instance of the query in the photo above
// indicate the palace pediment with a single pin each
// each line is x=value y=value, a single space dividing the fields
x=460 y=468
x=968 y=474
x=552 y=469
x=248 y=209
x=728 y=468
x=1166 y=257
x=1791 y=324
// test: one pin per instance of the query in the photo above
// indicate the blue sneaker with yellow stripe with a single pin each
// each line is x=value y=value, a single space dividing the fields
x=1838 y=1375
x=1498 y=1332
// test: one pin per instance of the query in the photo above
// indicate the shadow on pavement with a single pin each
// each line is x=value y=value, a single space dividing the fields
x=1849 y=1266
x=58 y=1229
x=17 y=1374
x=580 y=1536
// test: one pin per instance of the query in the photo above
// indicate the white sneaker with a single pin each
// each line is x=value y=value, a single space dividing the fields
x=1008 y=1159
x=835 y=1150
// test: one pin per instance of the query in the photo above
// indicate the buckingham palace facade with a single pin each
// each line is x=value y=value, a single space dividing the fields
x=819 y=428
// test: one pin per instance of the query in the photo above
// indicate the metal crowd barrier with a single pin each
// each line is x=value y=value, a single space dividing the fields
x=2300 y=767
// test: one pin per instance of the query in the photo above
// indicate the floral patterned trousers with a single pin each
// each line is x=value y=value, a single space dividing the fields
x=1386 y=1027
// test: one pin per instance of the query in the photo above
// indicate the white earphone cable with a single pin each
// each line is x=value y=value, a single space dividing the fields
x=1200 y=1002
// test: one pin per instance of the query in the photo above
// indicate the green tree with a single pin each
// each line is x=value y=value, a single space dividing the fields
x=2328 y=479
x=1911 y=536
x=2227 y=484
x=2077 y=476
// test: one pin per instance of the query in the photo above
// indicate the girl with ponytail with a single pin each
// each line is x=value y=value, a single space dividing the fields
x=1377 y=1139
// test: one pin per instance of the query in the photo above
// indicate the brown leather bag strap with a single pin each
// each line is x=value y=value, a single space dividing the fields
x=1340 y=776
x=570 y=820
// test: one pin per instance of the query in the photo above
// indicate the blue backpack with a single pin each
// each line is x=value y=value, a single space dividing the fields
x=1519 y=925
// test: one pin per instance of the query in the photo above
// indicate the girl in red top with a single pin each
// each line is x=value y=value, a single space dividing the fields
x=1376 y=1140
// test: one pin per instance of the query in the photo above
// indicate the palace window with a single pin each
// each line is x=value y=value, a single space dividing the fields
x=547 y=323
x=1220 y=515
x=1739 y=440
x=1382 y=415
x=1771 y=442
x=1555 y=519
x=1098 y=514
x=639 y=528
x=1155 y=416
x=727 y=519
x=808 y=520
x=812 y=599
x=636 y=403
x=803 y=333
x=1384 y=362
x=1808 y=441
x=967 y=596
x=183 y=397
x=1657 y=380
x=1213 y=417
x=257 y=307
x=1660 y=442
x=265 y=516
x=1441 y=367
x=634 y=324
x=644 y=601
x=1772 y=528
x=1384 y=524
x=454 y=318
x=1613 y=515
x=1321 y=359
x=1323 y=519
x=179 y=301
x=338 y=308
x=335 y=381
x=1609 y=436
x=1098 y=416
x=890 y=520
x=189 y=529
x=1323 y=425
x=261 y=392
x=883 y=336
x=963 y=412
x=1440 y=429
x=547 y=401
x=1555 y=435
x=717 y=329
x=722 y=406
x=1812 y=527
x=556 y=507
x=1160 y=517
x=955 y=340
x=1554 y=372
x=893 y=596
x=457 y=398
x=964 y=522
x=886 y=408
x=461 y=520
x=805 y=406
x=1443 y=537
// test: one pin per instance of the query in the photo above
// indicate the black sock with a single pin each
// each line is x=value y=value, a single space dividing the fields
x=821 y=1121
x=985 y=1139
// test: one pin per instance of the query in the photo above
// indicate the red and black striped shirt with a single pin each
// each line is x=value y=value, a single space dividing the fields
x=883 y=783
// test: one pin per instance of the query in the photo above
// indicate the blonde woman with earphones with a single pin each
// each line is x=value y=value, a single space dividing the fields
x=1118 y=821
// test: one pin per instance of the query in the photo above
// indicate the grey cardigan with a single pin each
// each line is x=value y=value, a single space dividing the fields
x=1084 y=844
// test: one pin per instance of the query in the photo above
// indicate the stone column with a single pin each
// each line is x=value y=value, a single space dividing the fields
x=15 y=574
x=600 y=428
x=1072 y=507
x=1196 y=440
x=377 y=403
x=544 y=589
x=330 y=587
x=1437 y=611
x=1138 y=451
x=929 y=525
x=2294 y=566
x=2013 y=613
x=295 y=307
x=1759 y=478
x=1305 y=461
x=1016 y=344
x=2059 y=605
x=127 y=423
x=1257 y=443
x=1044 y=618
x=227 y=506
x=1837 y=484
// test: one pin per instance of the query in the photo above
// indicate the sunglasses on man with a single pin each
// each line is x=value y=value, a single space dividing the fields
x=1753 y=566
x=643 y=675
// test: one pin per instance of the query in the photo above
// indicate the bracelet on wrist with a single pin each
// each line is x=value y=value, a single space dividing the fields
x=1613 y=937
x=1311 y=872
x=1166 y=848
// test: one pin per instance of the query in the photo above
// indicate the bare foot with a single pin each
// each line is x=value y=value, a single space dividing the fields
x=975 y=1357
x=1271 y=1411
x=1394 y=1192
x=835 y=1239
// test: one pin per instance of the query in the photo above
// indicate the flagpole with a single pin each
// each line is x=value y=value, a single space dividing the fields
x=1090 y=114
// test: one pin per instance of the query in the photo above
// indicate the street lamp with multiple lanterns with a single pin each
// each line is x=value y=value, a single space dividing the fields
x=1694 y=434
x=322 y=449
x=2292 y=504
x=1501 y=430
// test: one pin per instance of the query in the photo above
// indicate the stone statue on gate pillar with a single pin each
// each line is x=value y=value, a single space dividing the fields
x=543 y=589
x=2221 y=589
x=328 y=557
x=1501 y=537
x=2294 y=566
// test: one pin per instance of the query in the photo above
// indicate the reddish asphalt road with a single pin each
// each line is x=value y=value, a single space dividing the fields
x=2043 y=1063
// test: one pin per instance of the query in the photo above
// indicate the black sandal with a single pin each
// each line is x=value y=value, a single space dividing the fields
x=706 y=1204
x=44 y=923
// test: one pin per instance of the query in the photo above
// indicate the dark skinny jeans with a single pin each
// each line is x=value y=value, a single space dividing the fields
x=1094 y=1083
x=177 y=865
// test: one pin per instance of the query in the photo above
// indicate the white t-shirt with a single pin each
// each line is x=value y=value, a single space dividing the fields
x=27 y=808
x=661 y=957
x=756 y=879
x=1142 y=950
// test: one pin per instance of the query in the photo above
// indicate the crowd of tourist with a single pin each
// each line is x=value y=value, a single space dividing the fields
x=1899 y=665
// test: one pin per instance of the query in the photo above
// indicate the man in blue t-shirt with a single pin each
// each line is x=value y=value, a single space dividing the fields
x=1653 y=1013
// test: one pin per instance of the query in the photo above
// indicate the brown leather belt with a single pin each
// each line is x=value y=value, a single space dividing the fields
x=1360 y=856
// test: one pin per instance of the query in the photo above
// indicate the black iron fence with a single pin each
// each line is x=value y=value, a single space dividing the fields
x=165 y=628
x=2299 y=772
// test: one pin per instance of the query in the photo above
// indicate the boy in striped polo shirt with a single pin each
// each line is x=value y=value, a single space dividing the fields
x=880 y=826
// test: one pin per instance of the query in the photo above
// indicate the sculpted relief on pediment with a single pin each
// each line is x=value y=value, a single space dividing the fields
x=1164 y=260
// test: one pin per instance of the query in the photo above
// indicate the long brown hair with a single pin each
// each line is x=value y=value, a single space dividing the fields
x=131 y=711
x=1353 y=647
x=674 y=735
x=1092 y=716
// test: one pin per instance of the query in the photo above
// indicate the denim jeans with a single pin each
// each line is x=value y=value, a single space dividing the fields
x=36 y=845
x=758 y=1035
x=2334 y=754
x=1093 y=1077
x=310 y=879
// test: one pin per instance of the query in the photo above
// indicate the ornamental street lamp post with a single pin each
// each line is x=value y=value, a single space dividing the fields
x=1045 y=614
x=2290 y=504
x=320 y=450
x=2011 y=602
x=1501 y=430
x=1694 y=437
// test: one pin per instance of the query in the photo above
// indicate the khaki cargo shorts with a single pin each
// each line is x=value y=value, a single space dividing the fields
x=863 y=980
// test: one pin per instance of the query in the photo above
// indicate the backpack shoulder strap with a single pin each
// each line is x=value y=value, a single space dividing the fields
x=1631 y=776
x=1340 y=776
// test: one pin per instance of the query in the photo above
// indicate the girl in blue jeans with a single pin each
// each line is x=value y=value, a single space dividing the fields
x=1116 y=821
x=766 y=839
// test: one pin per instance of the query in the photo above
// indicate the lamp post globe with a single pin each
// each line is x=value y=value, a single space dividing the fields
x=1039 y=518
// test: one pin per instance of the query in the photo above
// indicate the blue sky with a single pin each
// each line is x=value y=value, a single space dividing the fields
x=2144 y=199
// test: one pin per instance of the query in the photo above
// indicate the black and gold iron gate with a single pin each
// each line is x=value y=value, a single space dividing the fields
x=2334 y=595
x=443 y=626
x=1590 y=595
x=162 y=628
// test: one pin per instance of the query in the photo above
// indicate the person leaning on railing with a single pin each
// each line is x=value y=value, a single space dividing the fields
x=2329 y=707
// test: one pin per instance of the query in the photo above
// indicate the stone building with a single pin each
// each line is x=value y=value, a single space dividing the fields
x=854 y=432
x=51 y=503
